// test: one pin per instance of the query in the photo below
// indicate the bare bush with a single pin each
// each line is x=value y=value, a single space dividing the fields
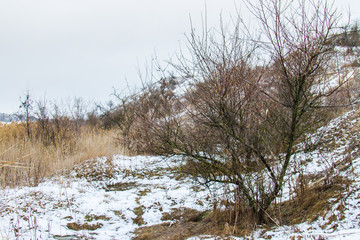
x=134 y=115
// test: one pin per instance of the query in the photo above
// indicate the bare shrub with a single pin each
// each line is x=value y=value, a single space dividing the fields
x=134 y=116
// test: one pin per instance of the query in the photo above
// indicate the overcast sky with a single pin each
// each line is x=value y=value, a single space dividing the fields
x=60 y=49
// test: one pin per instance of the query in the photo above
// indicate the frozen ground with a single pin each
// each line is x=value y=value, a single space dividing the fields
x=110 y=198
x=104 y=194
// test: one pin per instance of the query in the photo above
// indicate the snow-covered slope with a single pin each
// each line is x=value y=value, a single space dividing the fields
x=336 y=156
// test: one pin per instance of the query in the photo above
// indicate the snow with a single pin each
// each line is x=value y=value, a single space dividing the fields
x=46 y=210
x=88 y=195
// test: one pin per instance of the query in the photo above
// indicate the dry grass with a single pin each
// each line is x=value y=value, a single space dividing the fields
x=314 y=201
x=188 y=222
x=184 y=223
x=26 y=161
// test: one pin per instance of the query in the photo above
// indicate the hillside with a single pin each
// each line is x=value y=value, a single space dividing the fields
x=109 y=198
x=242 y=136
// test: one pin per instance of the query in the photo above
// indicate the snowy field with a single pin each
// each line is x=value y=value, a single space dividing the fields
x=88 y=196
x=111 y=198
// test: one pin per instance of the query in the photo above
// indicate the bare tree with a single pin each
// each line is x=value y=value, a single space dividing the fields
x=25 y=111
x=253 y=99
x=78 y=109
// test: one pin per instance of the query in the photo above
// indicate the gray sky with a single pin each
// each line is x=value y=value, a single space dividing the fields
x=66 y=48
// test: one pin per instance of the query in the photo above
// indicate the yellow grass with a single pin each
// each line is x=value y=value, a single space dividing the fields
x=26 y=161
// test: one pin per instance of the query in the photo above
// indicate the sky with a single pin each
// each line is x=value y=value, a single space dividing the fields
x=61 y=49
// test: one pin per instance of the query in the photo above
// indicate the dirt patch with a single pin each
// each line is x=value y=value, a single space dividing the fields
x=83 y=226
x=121 y=186
x=139 y=211
x=184 y=215
x=167 y=231
x=96 y=170
x=93 y=217
x=66 y=237
x=188 y=222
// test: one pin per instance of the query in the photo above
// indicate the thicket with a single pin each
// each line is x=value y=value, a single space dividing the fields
x=133 y=117
x=50 y=139
x=250 y=99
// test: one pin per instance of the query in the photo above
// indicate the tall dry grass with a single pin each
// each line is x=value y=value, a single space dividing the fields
x=25 y=161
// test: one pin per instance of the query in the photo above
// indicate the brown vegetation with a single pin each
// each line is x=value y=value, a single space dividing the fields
x=33 y=150
x=83 y=226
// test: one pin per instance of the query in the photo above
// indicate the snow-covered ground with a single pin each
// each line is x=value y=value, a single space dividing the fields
x=110 y=198
x=104 y=194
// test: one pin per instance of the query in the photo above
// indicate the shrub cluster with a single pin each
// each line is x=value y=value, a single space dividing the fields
x=47 y=142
